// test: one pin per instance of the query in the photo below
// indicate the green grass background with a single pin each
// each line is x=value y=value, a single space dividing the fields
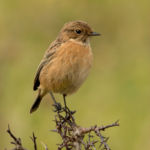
x=118 y=86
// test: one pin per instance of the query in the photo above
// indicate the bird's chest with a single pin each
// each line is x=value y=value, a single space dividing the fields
x=78 y=61
x=69 y=68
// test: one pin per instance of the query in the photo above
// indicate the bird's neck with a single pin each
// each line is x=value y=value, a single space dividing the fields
x=86 y=43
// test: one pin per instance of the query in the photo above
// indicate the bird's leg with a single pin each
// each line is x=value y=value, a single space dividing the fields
x=65 y=100
x=66 y=108
x=57 y=106
x=64 y=96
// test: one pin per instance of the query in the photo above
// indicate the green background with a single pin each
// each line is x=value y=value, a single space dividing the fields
x=118 y=86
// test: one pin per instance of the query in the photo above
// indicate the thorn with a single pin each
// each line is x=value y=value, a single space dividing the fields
x=106 y=139
x=13 y=143
x=91 y=136
x=31 y=138
x=45 y=146
x=94 y=142
x=8 y=127
x=117 y=121
x=42 y=143
x=100 y=144
x=55 y=130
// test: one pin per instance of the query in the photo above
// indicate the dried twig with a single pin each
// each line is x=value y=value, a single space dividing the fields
x=45 y=146
x=17 y=142
x=34 y=141
x=73 y=135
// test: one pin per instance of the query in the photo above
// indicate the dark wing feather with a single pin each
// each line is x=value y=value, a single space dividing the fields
x=47 y=57
x=36 y=79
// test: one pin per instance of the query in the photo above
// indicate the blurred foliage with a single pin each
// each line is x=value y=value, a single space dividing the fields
x=118 y=86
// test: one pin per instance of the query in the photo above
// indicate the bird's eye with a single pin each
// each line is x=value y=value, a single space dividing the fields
x=78 y=31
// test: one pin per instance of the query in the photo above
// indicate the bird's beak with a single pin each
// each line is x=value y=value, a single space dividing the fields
x=94 y=34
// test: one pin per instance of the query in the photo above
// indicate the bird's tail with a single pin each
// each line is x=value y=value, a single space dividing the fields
x=36 y=103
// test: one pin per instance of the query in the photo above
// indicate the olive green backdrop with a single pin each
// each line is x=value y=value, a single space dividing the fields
x=118 y=86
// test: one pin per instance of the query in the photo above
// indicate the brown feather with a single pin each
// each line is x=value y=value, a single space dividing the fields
x=47 y=57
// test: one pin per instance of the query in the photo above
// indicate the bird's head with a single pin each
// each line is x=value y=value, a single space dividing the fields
x=78 y=31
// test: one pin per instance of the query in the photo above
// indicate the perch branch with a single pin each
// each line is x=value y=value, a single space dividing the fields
x=73 y=135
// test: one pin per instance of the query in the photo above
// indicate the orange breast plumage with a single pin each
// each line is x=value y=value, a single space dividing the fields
x=69 y=68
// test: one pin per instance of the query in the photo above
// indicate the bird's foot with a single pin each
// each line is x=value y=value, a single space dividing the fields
x=58 y=108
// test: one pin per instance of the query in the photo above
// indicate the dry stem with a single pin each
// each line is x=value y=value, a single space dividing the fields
x=72 y=135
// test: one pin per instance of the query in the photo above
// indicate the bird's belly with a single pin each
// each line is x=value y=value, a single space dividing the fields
x=67 y=74
x=76 y=80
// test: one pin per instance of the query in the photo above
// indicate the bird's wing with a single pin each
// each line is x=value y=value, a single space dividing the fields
x=47 y=57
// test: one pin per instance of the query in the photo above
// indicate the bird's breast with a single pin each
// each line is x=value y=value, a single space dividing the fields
x=78 y=59
x=69 y=68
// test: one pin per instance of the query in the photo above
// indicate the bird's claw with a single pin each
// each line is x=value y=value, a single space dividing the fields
x=58 y=108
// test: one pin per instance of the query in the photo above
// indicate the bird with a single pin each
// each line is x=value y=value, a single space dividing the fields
x=66 y=63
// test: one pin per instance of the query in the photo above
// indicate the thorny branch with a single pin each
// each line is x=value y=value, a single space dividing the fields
x=17 y=142
x=71 y=134
x=34 y=141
